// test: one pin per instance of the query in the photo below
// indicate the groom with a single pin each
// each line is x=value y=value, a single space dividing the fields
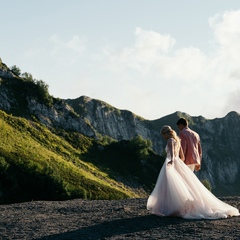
x=191 y=145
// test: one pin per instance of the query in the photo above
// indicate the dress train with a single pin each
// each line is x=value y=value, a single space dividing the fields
x=178 y=192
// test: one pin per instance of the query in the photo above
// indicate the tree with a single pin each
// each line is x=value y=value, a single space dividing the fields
x=27 y=76
x=15 y=70
x=43 y=91
x=142 y=143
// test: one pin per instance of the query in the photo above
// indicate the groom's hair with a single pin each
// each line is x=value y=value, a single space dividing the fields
x=182 y=121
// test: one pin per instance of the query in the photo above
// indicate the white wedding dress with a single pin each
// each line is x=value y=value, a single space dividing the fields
x=178 y=192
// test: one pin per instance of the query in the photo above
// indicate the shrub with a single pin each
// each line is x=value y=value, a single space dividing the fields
x=207 y=184
x=15 y=70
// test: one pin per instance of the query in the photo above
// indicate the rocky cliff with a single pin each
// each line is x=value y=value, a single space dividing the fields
x=94 y=118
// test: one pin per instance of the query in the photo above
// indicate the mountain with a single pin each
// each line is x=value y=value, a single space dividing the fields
x=220 y=138
x=111 y=128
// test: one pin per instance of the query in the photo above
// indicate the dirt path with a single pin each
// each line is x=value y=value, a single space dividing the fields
x=100 y=219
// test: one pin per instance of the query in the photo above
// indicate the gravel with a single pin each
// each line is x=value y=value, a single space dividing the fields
x=104 y=219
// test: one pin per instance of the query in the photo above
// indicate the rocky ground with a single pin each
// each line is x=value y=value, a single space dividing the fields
x=102 y=219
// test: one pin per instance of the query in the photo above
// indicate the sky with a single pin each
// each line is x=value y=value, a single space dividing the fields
x=151 y=57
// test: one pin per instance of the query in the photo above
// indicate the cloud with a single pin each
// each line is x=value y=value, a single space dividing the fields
x=154 y=52
x=76 y=44
x=227 y=37
x=150 y=42
x=141 y=57
x=155 y=71
x=206 y=80
x=227 y=34
x=187 y=64
x=233 y=102
x=235 y=74
x=60 y=52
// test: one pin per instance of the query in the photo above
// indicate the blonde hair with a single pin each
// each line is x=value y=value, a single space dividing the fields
x=170 y=132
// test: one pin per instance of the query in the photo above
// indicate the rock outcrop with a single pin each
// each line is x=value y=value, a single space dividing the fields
x=94 y=118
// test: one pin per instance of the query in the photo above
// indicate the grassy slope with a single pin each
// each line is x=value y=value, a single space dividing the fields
x=36 y=164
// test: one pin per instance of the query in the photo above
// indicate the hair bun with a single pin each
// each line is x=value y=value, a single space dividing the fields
x=165 y=129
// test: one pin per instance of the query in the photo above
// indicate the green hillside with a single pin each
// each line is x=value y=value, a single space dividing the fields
x=36 y=164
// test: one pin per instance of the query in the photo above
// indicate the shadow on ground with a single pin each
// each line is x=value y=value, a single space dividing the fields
x=121 y=227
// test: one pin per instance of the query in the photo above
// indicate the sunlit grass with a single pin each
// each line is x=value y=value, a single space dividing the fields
x=29 y=149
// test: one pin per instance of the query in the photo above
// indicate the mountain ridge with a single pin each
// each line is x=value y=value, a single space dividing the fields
x=98 y=120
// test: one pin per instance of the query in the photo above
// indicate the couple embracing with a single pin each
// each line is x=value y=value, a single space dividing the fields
x=178 y=192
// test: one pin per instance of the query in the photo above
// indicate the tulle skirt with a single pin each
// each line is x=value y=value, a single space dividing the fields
x=178 y=192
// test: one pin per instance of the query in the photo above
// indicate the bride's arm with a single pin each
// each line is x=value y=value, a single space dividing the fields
x=181 y=155
x=170 y=149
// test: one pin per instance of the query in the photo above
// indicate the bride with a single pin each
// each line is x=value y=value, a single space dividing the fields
x=178 y=192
